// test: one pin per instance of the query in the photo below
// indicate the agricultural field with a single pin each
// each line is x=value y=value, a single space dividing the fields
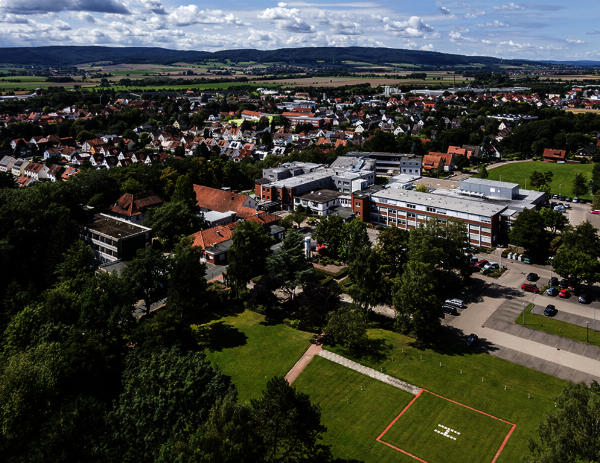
x=520 y=172
x=374 y=81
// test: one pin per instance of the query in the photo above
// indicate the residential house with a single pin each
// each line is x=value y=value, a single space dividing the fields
x=69 y=172
x=6 y=163
x=18 y=167
x=131 y=207
x=54 y=172
x=36 y=170
x=552 y=155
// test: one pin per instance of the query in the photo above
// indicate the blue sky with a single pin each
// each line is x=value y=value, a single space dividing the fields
x=532 y=29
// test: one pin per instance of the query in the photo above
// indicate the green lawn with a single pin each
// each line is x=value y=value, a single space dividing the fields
x=252 y=351
x=422 y=368
x=438 y=430
x=353 y=418
x=520 y=172
x=557 y=327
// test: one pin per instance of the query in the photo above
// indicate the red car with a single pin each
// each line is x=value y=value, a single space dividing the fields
x=594 y=212
x=563 y=293
x=530 y=288
x=480 y=264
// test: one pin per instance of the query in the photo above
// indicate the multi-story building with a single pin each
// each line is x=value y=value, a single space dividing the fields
x=393 y=163
x=114 y=239
x=408 y=209
x=283 y=183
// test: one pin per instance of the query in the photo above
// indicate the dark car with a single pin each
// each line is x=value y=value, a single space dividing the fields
x=530 y=288
x=562 y=198
x=553 y=281
x=550 y=311
x=552 y=204
x=563 y=284
x=568 y=199
x=449 y=309
x=551 y=291
x=533 y=277
x=472 y=339
x=584 y=299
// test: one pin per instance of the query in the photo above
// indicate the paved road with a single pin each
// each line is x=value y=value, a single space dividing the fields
x=580 y=213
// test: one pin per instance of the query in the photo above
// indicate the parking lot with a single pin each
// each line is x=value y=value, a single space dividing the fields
x=492 y=305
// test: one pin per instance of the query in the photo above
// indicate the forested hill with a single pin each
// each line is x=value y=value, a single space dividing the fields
x=62 y=56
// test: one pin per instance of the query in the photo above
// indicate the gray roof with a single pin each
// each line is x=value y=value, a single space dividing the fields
x=493 y=183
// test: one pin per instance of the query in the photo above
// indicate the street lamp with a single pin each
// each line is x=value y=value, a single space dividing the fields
x=523 y=314
x=560 y=189
x=587 y=331
x=551 y=268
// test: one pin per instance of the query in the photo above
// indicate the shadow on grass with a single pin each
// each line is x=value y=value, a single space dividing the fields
x=220 y=335
x=453 y=342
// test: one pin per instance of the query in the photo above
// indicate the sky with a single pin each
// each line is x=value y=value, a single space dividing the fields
x=533 y=29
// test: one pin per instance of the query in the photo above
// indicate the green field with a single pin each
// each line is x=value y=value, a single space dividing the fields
x=520 y=172
x=422 y=368
x=557 y=327
x=438 y=430
x=252 y=351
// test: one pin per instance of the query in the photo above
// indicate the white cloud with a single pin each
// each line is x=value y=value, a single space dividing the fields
x=413 y=27
x=475 y=13
x=44 y=6
x=62 y=26
x=486 y=42
x=289 y=20
x=154 y=6
x=516 y=45
x=83 y=16
x=457 y=37
x=428 y=47
x=444 y=10
x=510 y=6
x=575 y=41
x=190 y=15
x=496 y=23
x=282 y=4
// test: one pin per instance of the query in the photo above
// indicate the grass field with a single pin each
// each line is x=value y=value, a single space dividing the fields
x=557 y=327
x=435 y=429
x=459 y=379
x=252 y=351
x=562 y=181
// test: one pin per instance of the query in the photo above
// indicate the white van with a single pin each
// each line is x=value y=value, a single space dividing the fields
x=455 y=302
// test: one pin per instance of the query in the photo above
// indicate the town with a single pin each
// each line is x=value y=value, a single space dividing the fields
x=289 y=270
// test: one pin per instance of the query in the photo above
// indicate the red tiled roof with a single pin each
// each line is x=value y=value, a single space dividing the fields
x=222 y=201
x=131 y=205
x=559 y=155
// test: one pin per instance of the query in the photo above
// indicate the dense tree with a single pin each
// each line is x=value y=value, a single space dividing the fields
x=577 y=266
x=595 y=180
x=365 y=272
x=148 y=272
x=106 y=302
x=348 y=327
x=288 y=423
x=556 y=221
x=289 y=263
x=580 y=185
x=529 y=231
x=540 y=179
x=77 y=266
x=315 y=303
x=569 y=433
x=330 y=231
x=166 y=395
x=187 y=283
x=392 y=245
x=357 y=239
x=482 y=171
x=417 y=301
x=184 y=192
x=247 y=256
x=228 y=436
x=584 y=238
x=172 y=220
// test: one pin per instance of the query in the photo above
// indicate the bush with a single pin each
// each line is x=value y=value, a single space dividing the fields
x=295 y=324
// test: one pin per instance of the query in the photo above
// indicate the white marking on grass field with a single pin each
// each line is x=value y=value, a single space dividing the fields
x=447 y=432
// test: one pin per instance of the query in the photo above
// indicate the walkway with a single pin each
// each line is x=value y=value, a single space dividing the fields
x=414 y=390
x=300 y=365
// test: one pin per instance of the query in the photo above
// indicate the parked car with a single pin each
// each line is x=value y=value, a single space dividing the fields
x=533 y=277
x=550 y=311
x=563 y=284
x=449 y=309
x=575 y=199
x=583 y=299
x=582 y=201
x=563 y=293
x=530 y=288
x=481 y=263
x=553 y=281
x=560 y=208
x=568 y=199
x=552 y=204
x=567 y=206
x=552 y=291
x=455 y=303
x=492 y=266
x=554 y=196
x=594 y=212
x=472 y=339
x=562 y=198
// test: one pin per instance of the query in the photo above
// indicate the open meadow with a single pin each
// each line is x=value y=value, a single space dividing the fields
x=562 y=181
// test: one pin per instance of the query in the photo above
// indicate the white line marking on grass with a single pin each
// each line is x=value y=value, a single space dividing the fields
x=447 y=432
